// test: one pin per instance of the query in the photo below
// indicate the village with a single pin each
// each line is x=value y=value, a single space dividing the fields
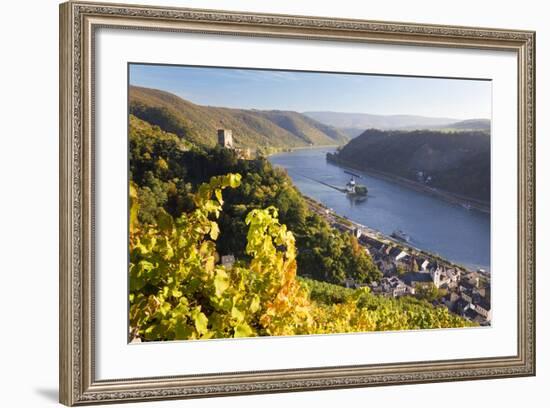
x=409 y=271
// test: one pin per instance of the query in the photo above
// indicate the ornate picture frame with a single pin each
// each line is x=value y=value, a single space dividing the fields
x=79 y=22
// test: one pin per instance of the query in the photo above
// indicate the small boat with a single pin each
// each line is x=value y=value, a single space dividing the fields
x=400 y=235
x=466 y=206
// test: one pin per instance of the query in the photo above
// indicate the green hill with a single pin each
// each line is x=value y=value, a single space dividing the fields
x=166 y=172
x=251 y=128
x=458 y=162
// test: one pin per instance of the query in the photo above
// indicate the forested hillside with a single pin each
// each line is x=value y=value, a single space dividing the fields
x=257 y=129
x=458 y=162
x=180 y=226
x=191 y=204
x=166 y=173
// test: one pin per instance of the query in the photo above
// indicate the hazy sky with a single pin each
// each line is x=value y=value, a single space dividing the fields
x=308 y=91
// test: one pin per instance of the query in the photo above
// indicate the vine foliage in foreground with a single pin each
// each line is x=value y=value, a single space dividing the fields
x=179 y=289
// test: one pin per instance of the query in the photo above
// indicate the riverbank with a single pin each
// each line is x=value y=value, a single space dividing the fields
x=431 y=223
x=408 y=271
x=345 y=224
x=292 y=149
x=453 y=198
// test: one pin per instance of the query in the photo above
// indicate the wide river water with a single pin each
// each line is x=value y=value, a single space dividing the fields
x=434 y=225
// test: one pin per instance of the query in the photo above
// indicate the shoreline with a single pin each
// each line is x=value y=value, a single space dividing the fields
x=292 y=149
x=331 y=216
x=414 y=185
x=378 y=235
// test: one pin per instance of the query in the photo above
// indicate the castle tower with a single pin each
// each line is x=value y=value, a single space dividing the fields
x=225 y=138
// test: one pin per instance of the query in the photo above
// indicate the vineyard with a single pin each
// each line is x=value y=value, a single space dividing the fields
x=180 y=290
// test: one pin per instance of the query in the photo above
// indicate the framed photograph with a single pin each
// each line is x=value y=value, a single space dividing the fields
x=256 y=203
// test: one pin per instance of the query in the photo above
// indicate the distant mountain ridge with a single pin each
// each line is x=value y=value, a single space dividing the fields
x=368 y=121
x=353 y=124
x=472 y=124
x=251 y=128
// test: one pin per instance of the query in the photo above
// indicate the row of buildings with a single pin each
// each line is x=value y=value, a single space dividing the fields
x=407 y=270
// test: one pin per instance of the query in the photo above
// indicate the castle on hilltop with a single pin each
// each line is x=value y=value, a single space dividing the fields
x=225 y=140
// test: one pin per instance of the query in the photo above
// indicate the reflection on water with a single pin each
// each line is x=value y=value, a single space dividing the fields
x=457 y=234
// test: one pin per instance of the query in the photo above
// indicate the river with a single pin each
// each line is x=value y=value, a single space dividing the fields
x=455 y=233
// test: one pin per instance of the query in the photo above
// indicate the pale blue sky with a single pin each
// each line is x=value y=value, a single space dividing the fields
x=310 y=91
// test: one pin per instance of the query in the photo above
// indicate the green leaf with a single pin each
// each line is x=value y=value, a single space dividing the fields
x=221 y=282
x=255 y=304
x=218 y=194
x=243 y=330
x=144 y=266
x=165 y=221
x=214 y=230
x=237 y=314
x=165 y=308
x=183 y=331
x=200 y=319
x=234 y=180
x=136 y=283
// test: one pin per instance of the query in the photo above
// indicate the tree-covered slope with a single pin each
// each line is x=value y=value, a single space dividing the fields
x=167 y=172
x=251 y=128
x=190 y=205
x=458 y=162
x=179 y=289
